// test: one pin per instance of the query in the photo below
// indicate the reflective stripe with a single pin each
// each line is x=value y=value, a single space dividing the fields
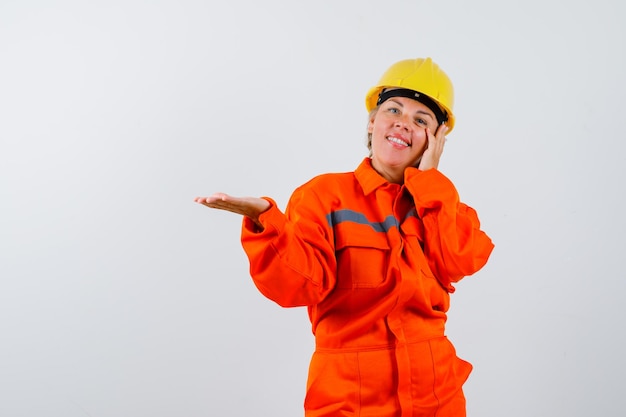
x=411 y=213
x=347 y=215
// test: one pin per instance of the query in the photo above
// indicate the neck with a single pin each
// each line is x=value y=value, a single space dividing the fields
x=391 y=174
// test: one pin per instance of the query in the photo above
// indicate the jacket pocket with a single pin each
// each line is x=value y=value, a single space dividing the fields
x=362 y=261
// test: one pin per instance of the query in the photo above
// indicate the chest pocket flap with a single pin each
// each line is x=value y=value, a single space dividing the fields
x=362 y=257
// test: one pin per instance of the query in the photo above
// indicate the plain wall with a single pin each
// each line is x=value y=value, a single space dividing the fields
x=119 y=296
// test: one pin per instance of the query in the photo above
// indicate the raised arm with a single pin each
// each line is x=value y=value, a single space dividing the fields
x=454 y=244
x=292 y=259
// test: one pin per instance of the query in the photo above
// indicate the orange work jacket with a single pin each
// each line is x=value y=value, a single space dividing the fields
x=374 y=262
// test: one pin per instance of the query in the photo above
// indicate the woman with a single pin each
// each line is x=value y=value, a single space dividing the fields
x=373 y=255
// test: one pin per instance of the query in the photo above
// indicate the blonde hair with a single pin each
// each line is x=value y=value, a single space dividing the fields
x=368 y=142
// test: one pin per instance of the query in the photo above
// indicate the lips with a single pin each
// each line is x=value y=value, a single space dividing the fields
x=398 y=140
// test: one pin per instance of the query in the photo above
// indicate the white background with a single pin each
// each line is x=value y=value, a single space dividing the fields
x=119 y=296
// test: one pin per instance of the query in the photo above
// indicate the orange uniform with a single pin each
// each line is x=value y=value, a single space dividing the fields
x=374 y=262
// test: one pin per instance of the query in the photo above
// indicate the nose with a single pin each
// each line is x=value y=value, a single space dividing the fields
x=403 y=122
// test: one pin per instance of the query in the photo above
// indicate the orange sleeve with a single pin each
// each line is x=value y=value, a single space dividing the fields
x=292 y=260
x=453 y=242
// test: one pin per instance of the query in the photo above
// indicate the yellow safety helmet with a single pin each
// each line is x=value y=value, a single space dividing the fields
x=419 y=75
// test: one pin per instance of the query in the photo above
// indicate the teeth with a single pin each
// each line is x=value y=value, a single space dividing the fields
x=396 y=140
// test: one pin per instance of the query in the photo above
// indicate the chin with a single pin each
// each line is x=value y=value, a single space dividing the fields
x=395 y=161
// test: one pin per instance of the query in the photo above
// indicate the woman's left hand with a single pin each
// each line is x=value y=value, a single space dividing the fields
x=434 y=148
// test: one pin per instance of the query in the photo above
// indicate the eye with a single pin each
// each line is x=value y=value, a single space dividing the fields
x=421 y=121
x=393 y=110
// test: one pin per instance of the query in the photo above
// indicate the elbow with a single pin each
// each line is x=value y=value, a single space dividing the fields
x=302 y=296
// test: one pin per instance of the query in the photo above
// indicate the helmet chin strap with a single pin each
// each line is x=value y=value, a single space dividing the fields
x=386 y=94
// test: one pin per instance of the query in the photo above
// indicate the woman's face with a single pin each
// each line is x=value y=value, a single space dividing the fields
x=399 y=135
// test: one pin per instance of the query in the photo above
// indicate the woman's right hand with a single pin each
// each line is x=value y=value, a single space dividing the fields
x=251 y=207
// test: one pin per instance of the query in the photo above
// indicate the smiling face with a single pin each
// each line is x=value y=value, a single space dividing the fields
x=399 y=138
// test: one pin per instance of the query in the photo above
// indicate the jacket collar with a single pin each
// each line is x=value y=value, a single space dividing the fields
x=367 y=176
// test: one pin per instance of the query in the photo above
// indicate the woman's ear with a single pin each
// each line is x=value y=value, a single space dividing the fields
x=370 y=124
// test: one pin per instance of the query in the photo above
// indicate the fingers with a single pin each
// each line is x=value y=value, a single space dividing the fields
x=212 y=199
x=442 y=130
x=248 y=206
x=220 y=201
x=440 y=135
x=434 y=147
x=438 y=140
x=217 y=201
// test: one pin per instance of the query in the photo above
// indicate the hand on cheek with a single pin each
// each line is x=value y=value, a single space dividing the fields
x=434 y=148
